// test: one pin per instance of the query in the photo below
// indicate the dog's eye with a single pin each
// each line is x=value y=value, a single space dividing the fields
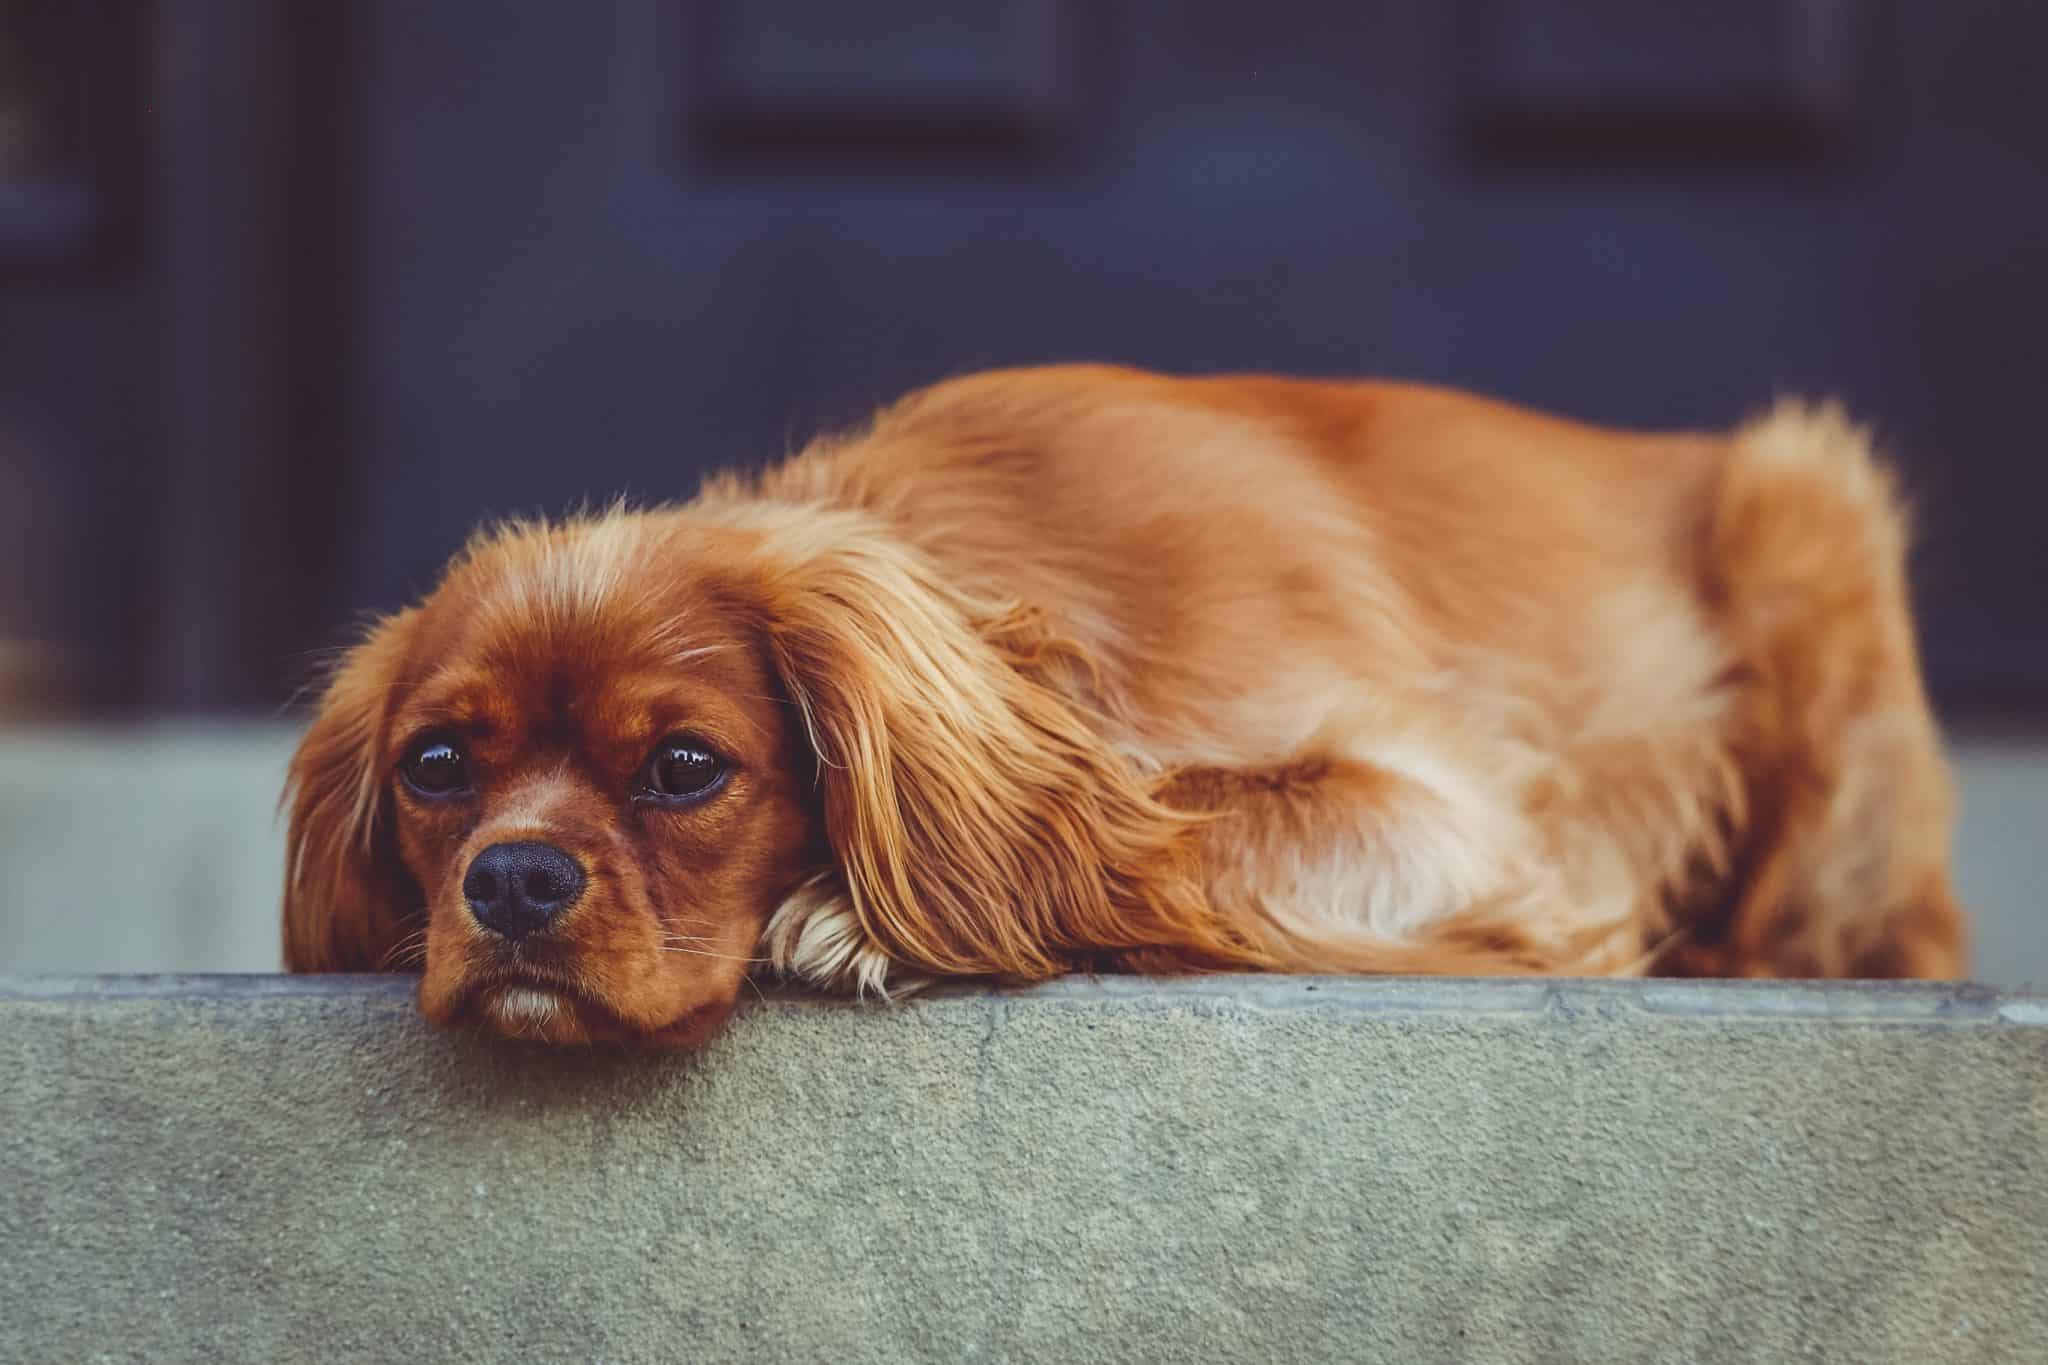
x=435 y=766
x=680 y=768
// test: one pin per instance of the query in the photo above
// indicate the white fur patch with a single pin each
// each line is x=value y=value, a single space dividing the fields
x=815 y=937
x=1442 y=844
x=523 y=1006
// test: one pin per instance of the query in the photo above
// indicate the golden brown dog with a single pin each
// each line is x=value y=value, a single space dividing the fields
x=1090 y=669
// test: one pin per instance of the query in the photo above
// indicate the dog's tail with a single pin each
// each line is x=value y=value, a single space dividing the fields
x=1843 y=866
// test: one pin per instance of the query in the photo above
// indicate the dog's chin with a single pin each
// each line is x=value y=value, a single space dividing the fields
x=540 y=1010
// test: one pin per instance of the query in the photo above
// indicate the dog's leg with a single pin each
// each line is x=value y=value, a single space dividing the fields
x=1343 y=865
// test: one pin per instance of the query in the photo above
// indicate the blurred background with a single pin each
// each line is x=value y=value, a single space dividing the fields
x=293 y=294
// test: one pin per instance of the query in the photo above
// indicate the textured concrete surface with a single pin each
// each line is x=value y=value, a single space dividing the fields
x=1259 y=1169
x=155 y=849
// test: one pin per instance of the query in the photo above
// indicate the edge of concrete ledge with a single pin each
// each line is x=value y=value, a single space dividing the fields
x=1949 y=1003
x=1091 y=1170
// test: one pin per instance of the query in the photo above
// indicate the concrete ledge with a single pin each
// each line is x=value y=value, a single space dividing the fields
x=268 y=1169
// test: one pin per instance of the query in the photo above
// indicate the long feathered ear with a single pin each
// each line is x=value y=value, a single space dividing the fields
x=980 y=826
x=347 y=898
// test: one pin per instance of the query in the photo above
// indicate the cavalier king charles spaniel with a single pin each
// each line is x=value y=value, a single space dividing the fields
x=1087 y=669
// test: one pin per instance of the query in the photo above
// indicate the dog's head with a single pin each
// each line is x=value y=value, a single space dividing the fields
x=608 y=766
x=566 y=787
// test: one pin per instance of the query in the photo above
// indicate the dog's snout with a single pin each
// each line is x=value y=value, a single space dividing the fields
x=518 y=889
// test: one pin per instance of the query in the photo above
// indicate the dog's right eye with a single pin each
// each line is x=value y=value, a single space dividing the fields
x=435 y=766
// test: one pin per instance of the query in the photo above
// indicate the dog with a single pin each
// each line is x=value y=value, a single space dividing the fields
x=1086 y=669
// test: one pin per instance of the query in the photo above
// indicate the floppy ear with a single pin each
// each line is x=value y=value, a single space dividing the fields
x=981 y=827
x=347 y=898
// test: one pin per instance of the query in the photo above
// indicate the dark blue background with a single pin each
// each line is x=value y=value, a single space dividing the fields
x=406 y=264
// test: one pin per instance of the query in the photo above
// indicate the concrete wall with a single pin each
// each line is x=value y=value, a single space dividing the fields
x=1260 y=1169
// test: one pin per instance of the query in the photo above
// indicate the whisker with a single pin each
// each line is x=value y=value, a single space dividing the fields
x=756 y=696
x=1664 y=945
x=699 y=952
x=403 y=952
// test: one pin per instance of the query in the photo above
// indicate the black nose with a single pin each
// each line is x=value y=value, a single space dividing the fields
x=518 y=889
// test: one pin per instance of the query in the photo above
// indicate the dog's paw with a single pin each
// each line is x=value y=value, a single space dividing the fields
x=815 y=937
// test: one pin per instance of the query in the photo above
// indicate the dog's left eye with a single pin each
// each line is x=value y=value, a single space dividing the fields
x=681 y=768
x=435 y=766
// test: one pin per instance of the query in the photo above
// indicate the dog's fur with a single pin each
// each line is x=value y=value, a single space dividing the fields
x=1089 y=669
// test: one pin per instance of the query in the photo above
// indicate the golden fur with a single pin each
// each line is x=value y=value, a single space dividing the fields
x=1089 y=669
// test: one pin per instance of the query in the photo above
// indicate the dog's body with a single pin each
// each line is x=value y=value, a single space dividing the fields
x=1088 y=668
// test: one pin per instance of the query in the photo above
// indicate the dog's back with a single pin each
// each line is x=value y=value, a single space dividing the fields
x=1684 y=663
